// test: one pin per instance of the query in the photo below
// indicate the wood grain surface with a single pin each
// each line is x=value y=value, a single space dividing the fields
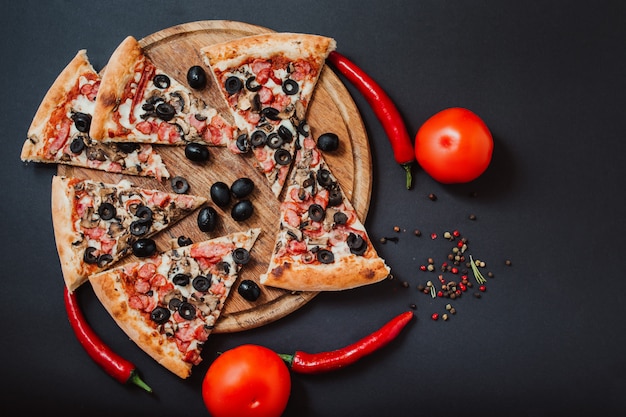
x=332 y=109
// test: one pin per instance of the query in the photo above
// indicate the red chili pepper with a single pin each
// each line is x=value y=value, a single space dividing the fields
x=384 y=109
x=311 y=363
x=116 y=366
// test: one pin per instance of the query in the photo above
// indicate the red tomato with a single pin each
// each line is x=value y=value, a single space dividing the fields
x=249 y=380
x=454 y=146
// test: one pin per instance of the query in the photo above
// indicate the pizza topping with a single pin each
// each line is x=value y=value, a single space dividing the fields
x=220 y=193
x=160 y=315
x=82 y=121
x=249 y=290
x=241 y=256
x=290 y=87
x=258 y=138
x=233 y=85
x=325 y=256
x=144 y=247
x=356 y=243
x=316 y=212
x=197 y=152
x=201 y=283
x=207 y=219
x=282 y=157
x=242 y=187
x=161 y=81
x=186 y=310
x=106 y=211
x=252 y=84
x=242 y=143
x=77 y=145
x=165 y=111
x=196 y=77
x=242 y=210
x=181 y=279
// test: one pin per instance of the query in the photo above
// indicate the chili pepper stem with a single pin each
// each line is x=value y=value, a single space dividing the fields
x=287 y=358
x=136 y=379
x=409 y=176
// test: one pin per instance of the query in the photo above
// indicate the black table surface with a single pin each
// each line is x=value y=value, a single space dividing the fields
x=546 y=338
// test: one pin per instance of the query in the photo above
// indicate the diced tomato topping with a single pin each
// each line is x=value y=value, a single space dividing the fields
x=193 y=356
x=107 y=245
x=218 y=288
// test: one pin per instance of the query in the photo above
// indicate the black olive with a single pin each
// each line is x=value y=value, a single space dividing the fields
x=233 y=85
x=104 y=259
x=325 y=256
x=184 y=241
x=82 y=121
x=174 y=304
x=140 y=227
x=242 y=142
x=201 y=283
x=282 y=157
x=316 y=212
x=220 y=193
x=242 y=210
x=161 y=81
x=290 y=87
x=144 y=213
x=334 y=196
x=144 y=247
x=328 y=142
x=241 y=256
x=324 y=178
x=258 y=138
x=77 y=145
x=196 y=77
x=106 y=211
x=340 y=218
x=249 y=290
x=128 y=147
x=242 y=187
x=197 y=152
x=303 y=128
x=179 y=185
x=160 y=315
x=356 y=243
x=251 y=86
x=285 y=134
x=274 y=141
x=165 y=111
x=89 y=256
x=181 y=279
x=224 y=267
x=186 y=310
x=207 y=219
x=270 y=113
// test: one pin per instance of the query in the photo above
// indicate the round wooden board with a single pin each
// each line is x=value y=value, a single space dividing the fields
x=332 y=109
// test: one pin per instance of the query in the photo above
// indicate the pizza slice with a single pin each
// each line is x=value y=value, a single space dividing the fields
x=321 y=244
x=95 y=223
x=59 y=132
x=139 y=102
x=268 y=81
x=168 y=304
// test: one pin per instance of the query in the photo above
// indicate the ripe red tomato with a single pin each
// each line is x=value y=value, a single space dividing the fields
x=454 y=146
x=248 y=380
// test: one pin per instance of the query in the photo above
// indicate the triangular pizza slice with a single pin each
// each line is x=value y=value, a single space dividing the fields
x=168 y=304
x=139 y=102
x=95 y=224
x=321 y=245
x=268 y=81
x=59 y=132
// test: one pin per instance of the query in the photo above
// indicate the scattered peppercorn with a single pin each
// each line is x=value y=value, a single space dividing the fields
x=472 y=217
x=396 y=228
x=405 y=284
x=417 y=232
x=508 y=262
x=432 y=197
x=413 y=306
x=444 y=317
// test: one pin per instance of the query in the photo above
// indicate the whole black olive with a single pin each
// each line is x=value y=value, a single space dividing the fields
x=82 y=121
x=334 y=196
x=77 y=145
x=233 y=85
x=328 y=142
x=144 y=247
x=107 y=211
x=179 y=185
x=242 y=187
x=220 y=193
x=196 y=77
x=181 y=279
x=161 y=81
x=290 y=87
x=340 y=218
x=201 y=283
x=325 y=256
x=165 y=111
x=160 y=315
x=241 y=256
x=249 y=290
x=186 y=310
x=197 y=152
x=184 y=241
x=282 y=157
x=207 y=219
x=242 y=210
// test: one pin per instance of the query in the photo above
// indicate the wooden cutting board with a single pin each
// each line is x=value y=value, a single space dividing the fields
x=332 y=109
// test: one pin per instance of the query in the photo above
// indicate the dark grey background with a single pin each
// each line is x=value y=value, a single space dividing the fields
x=546 y=339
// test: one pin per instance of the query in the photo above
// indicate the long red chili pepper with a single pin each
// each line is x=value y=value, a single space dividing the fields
x=116 y=366
x=311 y=363
x=384 y=109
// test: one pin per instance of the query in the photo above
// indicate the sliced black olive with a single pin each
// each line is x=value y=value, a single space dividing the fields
x=258 y=138
x=89 y=255
x=181 y=279
x=104 y=259
x=282 y=157
x=249 y=290
x=340 y=218
x=196 y=77
x=140 y=227
x=328 y=142
x=128 y=147
x=242 y=210
x=251 y=85
x=197 y=152
x=316 y=212
x=154 y=100
x=207 y=219
x=82 y=121
x=201 y=283
x=179 y=185
x=147 y=106
x=334 y=196
x=174 y=303
x=144 y=247
x=186 y=310
x=224 y=267
x=242 y=142
x=285 y=134
x=161 y=81
x=107 y=211
x=184 y=241
x=242 y=187
x=325 y=256
x=220 y=193
x=324 y=178
x=233 y=85
x=290 y=87
x=241 y=256
x=303 y=128
x=274 y=141
x=144 y=213
x=77 y=145
x=165 y=111
x=270 y=113
x=356 y=243
x=160 y=315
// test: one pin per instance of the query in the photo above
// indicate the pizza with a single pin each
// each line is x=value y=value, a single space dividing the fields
x=95 y=224
x=138 y=102
x=268 y=81
x=321 y=243
x=169 y=303
x=59 y=132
